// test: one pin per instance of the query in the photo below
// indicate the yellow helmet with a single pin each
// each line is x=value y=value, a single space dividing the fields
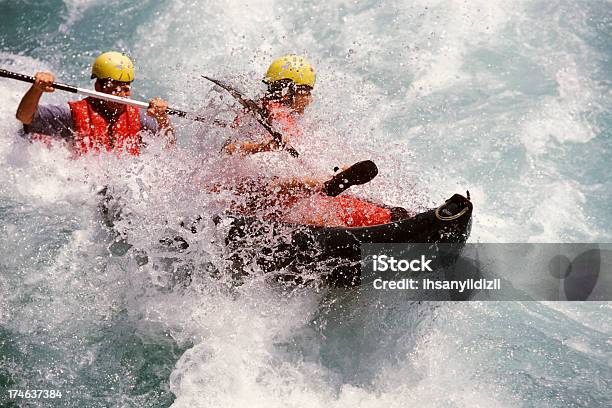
x=292 y=67
x=113 y=65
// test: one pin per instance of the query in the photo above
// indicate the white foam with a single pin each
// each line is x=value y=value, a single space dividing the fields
x=562 y=117
x=76 y=9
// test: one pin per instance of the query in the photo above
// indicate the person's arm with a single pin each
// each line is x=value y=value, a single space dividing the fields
x=157 y=110
x=297 y=186
x=29 y=102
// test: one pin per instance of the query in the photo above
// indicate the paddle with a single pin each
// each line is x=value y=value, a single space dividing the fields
x=112 y=98
x=359 y=173
x=257 y=112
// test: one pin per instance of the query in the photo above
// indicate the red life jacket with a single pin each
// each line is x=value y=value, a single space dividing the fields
x=354 y=212
x=93 y=131
x=279 y=116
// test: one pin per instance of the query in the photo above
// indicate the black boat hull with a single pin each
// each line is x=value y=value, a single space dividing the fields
x=299 y=253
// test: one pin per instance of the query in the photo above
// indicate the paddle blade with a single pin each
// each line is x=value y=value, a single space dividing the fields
x=359 y=173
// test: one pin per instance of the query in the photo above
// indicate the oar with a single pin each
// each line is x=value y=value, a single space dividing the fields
x=112 y=98
x=359 y=173
x=257 y=112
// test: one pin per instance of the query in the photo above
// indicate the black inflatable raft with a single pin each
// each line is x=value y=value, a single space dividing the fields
x=299 y=253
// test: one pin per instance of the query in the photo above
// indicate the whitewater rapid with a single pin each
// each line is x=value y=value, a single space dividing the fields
x=509 y=100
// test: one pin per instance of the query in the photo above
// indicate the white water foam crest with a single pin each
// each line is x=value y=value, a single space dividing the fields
x=213 y=374
x=570 y=65
x=76 y=9
x=218 y=371
x=562 y=117
x=456 y=30
x=595 y=316
x=565 y=200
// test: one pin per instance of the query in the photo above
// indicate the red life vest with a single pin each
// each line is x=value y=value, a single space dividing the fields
x=93 y=131
x=340 y=211
x=354 y=212
x=279 y=116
